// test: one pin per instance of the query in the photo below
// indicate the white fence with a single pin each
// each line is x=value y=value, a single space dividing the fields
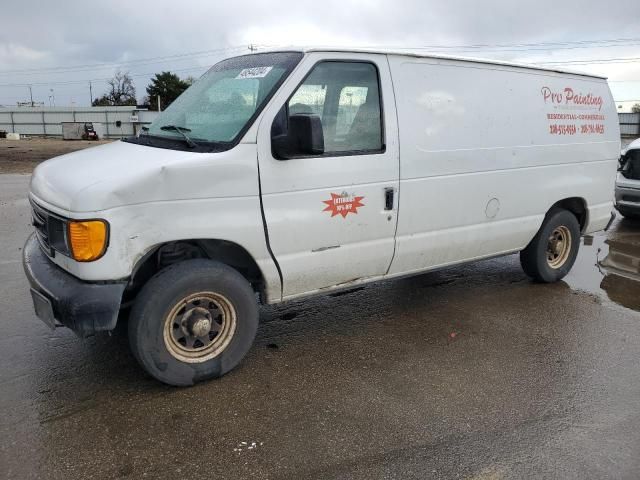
x=121 y=121
x=117 y=121
x=629 y=124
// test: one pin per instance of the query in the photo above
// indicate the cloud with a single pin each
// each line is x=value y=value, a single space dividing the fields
x=37 y=35
x=11 y=52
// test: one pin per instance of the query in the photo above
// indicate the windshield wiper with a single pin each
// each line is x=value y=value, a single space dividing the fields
x=181 y=130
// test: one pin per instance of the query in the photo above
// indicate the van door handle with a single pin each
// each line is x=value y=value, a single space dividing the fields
x=388 y=198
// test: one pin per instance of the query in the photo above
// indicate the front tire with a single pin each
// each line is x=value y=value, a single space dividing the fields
x=553 y=251
x=193 y=321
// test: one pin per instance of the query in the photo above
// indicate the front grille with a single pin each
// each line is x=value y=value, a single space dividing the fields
x=631 y=168
x=631 y=198
x=50 y=230
x=40 y=220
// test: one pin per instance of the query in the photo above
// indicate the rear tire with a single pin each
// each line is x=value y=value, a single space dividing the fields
x=553 y=251
x=193 y=321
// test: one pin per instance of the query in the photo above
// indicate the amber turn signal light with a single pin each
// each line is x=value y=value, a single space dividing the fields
x=87 y=240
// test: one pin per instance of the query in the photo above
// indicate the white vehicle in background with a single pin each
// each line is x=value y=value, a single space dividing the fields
x=284 y=174
x=628 y=181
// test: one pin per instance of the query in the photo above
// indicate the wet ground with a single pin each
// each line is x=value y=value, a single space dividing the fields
x=472 y=372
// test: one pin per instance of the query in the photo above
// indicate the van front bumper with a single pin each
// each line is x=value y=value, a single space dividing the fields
x=59 y=297
x=628 y=199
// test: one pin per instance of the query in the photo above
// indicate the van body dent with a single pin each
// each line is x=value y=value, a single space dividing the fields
x=300 y=172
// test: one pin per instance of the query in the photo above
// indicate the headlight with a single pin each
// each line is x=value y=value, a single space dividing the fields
x=87 y=239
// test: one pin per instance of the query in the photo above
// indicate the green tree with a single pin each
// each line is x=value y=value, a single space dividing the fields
x=636 y=108
x=103 y=101
x=168 y=86
x=121 y=91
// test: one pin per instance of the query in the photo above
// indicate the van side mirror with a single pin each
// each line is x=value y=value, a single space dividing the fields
x=301 y=135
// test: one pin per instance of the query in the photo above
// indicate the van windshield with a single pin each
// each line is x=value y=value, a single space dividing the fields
x=221 y=105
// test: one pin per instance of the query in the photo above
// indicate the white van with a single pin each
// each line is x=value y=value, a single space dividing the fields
x=284 y=174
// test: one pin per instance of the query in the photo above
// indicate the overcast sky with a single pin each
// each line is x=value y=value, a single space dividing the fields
x=55 y=45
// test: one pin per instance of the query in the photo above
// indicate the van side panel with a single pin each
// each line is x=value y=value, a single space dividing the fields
x=486 y=150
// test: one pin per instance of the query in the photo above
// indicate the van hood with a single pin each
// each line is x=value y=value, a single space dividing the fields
x=121 y=173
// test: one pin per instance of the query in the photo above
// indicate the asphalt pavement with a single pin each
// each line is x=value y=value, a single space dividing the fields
x=470 y=372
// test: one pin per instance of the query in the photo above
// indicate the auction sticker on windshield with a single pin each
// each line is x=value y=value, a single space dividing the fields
x=255 y=72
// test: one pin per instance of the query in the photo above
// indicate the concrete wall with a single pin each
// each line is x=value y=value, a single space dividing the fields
x=48 y=120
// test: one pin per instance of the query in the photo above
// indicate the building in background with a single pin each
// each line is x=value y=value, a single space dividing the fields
x=116 y=122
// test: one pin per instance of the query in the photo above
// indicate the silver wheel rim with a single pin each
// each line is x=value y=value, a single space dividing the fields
x=199 y=327
x=558 y=247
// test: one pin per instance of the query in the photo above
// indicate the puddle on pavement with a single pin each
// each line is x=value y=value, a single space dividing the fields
x=608 y=265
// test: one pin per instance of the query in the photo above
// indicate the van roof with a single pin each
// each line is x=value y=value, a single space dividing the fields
x=411 y=53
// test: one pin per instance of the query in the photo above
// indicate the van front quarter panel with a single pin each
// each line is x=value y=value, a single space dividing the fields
x=179 y=196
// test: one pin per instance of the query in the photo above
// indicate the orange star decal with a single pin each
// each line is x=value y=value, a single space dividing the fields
x=343 y=204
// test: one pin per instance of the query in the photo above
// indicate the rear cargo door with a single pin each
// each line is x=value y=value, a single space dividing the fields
x=331 y=218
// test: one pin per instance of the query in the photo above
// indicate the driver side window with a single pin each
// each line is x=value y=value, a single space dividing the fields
x=346 y=98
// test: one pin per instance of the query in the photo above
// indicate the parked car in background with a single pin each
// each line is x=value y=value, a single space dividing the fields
x=628 y=181
x=285 y=174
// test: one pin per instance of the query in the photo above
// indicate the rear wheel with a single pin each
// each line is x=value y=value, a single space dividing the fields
x=553 y=251
x=193 y=321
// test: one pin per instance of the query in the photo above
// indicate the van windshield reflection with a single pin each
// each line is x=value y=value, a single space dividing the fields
x=219 y=106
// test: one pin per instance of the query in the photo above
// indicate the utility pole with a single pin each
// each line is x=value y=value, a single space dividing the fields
x=158 y=102
x=31 y=96
x=90 y=92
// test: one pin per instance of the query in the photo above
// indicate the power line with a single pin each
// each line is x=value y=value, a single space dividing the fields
x=85 y=81
x=594 y=61
x=497 y=45
x=253 y=47
x=547 y=49
x=499 y=49
x=524 y=45
x=203 y=67
x=142 y=61
x=604 y=43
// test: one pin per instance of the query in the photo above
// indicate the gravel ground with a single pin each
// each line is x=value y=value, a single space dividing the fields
x=22 y=156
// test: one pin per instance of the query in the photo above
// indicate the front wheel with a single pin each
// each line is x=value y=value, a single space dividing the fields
x=193 y=321
x=553 y=251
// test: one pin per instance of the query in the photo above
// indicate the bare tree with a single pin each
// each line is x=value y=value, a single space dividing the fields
x=121 y=91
